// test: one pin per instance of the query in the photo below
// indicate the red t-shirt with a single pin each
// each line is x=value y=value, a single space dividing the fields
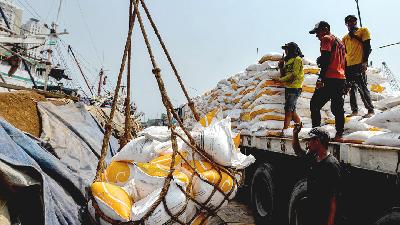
x=338 y=54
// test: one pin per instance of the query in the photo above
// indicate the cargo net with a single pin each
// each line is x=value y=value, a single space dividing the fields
x=171 y=175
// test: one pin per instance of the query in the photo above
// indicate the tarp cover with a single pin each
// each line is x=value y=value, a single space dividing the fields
x=75 y=137
x=40 y=189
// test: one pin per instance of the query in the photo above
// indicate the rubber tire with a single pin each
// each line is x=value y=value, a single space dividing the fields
x=391 y=218
x=263 y=194
x=297 y=203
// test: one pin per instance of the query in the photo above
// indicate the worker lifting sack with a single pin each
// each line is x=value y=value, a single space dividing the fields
x=166 y=175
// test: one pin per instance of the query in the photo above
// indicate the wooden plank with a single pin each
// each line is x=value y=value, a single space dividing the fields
x=44 y=93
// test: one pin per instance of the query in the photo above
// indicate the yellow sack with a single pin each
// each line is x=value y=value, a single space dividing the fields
x=246 y=91
x=206 y=120
x=253 y=114
x=271 y=83
x=308 y=89
x=202 y=190
x=246 y=117
x=272 y=117
x=268 y=92
x=165 y=160
x=311 y=70
x=118 y=173
x=246 y=105
x=377 y=88
x=112 y=200
x=200 y=219
x=234 y=87
x=199 y=166
x=236 y=141
x=270 y=57
x=332 y=121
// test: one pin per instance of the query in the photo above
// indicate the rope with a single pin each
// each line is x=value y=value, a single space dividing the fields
x=170 y=114
x=127 y=136
x=190 y=102
x=108 y=128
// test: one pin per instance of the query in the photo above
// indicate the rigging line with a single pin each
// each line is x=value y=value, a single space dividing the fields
x=27 y=9
x=81 y=57
x=27 y=2
x=58 y=11
x=89 y=32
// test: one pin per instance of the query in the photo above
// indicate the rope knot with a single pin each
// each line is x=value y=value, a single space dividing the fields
x=156 y=71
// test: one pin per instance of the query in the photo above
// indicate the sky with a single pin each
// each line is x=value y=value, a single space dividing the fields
x=208 y=40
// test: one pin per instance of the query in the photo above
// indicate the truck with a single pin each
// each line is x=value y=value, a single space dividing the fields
x=369 y=189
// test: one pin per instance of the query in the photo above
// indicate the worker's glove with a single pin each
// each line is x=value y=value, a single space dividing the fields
x=319 y=84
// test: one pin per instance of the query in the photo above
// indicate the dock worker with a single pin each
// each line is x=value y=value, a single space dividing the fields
x=292 y=75
x=323 y=176
x=331 y=83
x=358 y=49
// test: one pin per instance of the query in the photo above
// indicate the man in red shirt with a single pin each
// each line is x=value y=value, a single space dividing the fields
x=331 y=83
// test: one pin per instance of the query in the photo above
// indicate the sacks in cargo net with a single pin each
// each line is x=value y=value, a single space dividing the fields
x=149 y=182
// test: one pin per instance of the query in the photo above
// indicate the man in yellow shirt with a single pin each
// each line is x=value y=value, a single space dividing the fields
x=292 y=75
x=358 y=49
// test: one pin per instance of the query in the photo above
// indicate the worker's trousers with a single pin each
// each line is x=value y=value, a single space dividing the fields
x=331 y=91
x=358 y=81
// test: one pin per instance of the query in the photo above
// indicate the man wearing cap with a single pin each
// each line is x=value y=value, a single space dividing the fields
x=331 y=83
x=323 y=176
x=358 y=49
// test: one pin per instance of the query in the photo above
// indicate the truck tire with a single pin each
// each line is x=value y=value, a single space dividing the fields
x=391 y=218
x=297 y=203
x=263 y=194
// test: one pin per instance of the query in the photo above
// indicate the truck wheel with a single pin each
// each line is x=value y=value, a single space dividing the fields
x=392 y=218
x=262 y=194
x=297 y=203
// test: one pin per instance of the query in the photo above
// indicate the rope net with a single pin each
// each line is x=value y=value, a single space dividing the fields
x=183 y=171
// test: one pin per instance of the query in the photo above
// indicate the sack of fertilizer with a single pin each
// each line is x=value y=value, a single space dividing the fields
x=217 y=141
x=389 y=119
x=176 y=202
x=385 y=139
x=112 y=200
x=205 y=179
x=272 y=56
x=360 y=137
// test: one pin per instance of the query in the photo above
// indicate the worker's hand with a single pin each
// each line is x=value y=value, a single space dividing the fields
x=275 y=78
x=364 y=67
x=281 y=64
x=319 y=84
x=297 y=128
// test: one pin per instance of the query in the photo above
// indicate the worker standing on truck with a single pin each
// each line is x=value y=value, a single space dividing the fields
x=292 y=75
x=358 y=49
x=331 y=83
x=323 y=176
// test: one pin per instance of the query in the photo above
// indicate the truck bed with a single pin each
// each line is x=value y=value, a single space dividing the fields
x=370 y=157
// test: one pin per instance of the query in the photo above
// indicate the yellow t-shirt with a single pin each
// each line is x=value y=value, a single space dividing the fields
x=294 y=73
x=354 y=48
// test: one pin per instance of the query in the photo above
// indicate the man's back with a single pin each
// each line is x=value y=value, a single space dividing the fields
x=336 y=67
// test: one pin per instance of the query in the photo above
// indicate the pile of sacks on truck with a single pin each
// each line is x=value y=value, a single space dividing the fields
x=255 y=102
x=133 y=181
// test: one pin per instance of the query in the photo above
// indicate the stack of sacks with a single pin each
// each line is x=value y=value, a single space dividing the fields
x=256 y=102
x=134 y=180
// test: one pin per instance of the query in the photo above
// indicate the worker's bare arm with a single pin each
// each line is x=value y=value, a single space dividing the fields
x=296 y=143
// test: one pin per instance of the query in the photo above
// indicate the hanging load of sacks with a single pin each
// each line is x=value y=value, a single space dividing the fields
x=131 y=185
x=256 y=101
